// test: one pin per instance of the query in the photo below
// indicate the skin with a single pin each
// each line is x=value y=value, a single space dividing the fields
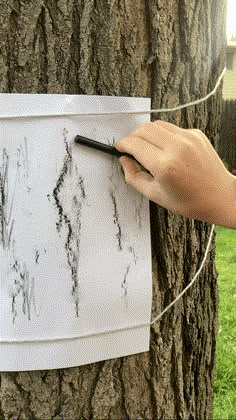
x=186 y=174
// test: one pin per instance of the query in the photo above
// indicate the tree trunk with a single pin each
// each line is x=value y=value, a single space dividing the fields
x=172 y=51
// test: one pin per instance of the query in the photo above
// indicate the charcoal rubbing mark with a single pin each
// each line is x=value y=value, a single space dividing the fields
x=115 y=169
x=73 y=262
x=6 y=205
x=111 y=142
x=124 y=284
x=81 y=186
x=26 y=156
x=22 y=154
x=37 y=256
x=74 y=254
x=72 y=245
x=138 y=212
x=131 y=249
x=65 y=168
x=24 y=285
x=116 y=220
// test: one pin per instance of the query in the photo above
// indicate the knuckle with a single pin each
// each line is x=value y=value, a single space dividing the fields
x=118 y=145
x=161 y=122
x=154 y=168
x=122 y=145
x=169 y=171
x=186 y=149
x=198 y=133
x=142 y=129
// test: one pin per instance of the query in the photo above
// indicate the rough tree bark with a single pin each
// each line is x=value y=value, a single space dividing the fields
x=172 y=51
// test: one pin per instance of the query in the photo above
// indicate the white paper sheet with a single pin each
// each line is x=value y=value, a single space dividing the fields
x=75 y=251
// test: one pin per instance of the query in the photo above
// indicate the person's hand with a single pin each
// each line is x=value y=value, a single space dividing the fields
x=186 y=174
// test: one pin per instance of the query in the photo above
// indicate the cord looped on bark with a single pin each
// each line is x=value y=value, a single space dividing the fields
x=150 y=111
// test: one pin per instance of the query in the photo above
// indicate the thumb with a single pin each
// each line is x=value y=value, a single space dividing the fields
x=136 y=177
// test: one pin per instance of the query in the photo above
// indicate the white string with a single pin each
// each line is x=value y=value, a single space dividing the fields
x=191 y=282
x=128 y=327
x=152 y=111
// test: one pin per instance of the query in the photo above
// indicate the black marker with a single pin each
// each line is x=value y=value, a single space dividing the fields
x=111 y=150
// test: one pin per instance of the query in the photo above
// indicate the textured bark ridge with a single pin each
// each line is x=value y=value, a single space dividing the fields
x=174 y=52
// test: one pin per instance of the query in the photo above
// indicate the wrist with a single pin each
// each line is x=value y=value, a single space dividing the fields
x=233 y=217
x=228 y=213
x=220 y=207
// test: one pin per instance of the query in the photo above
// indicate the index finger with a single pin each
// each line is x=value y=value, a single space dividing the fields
x=158 y=133
x=144 y=152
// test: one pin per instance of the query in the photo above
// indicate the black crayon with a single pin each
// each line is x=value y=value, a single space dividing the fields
x=103 y=148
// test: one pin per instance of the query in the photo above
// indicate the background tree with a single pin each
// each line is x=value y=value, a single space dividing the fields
x=227 y=146
x=172 y=51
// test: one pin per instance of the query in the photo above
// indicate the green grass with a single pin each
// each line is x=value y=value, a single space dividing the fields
x=225 y=375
